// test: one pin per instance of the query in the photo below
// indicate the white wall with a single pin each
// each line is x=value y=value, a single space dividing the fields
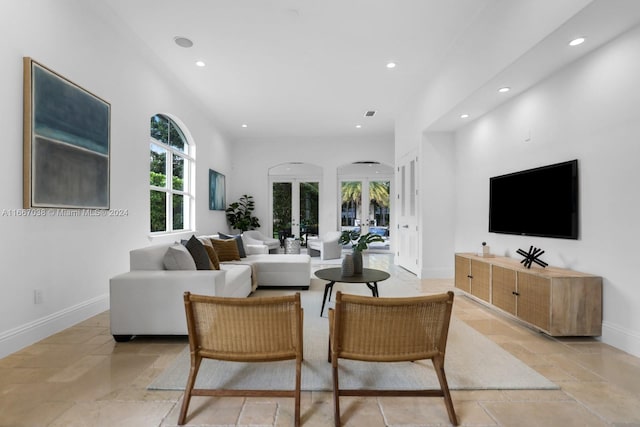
x=437 y=202
x=71 y=259
x=252 y=159
x=589 y=111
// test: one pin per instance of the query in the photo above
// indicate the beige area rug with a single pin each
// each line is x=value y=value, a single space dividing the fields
x=473 y=362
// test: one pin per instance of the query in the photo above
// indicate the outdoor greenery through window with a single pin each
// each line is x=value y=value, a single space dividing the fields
x=377 y=212
x=171 y=200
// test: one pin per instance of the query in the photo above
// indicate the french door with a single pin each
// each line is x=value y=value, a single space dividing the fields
x=408 y=238
x=294 y=207
x=365 y=205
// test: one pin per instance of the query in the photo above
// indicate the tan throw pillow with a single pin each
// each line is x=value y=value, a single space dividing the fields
x=178 y=257
x=213 y=256
x=227 y=250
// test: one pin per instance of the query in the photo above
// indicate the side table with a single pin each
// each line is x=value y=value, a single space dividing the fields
x=369 y=276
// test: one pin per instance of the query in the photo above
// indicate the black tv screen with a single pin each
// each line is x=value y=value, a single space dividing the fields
x=536 y=202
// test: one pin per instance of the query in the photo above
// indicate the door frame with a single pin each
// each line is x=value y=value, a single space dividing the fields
x=367 y=178
x=409 y=247
x=298 y=173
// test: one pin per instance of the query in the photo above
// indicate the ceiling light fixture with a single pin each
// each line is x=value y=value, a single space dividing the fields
x=182 y=41
x=464 y=116
x=504 y=89
x=200 y=63
x=358 y=126
x=576 y=42
x=244 y=125
x=391 y=65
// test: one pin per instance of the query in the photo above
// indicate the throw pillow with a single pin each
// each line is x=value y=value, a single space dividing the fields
x=213 y=256
x=227 y=250
x=178 y=257
x=239 y=242
x=199 y=254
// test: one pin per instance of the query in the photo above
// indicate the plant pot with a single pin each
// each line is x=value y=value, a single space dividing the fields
x=357 y=262
x=347 y=265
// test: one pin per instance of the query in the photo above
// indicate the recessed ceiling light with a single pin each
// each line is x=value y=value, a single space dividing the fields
x=182 y=41
x=200 y=63
x=391 y=65
x=504 y=89
x=358 y=126
x=244 y=125
x=576 y=42
x=464 y=116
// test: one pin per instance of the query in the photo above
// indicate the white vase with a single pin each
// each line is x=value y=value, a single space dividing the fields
x=347 y=265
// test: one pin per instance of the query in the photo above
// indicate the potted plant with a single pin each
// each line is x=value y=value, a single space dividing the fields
x=239 y=214
x=359 y=243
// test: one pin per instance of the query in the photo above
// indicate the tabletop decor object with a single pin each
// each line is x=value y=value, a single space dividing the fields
x=347 y=265
x=532 y=256
x=359 y=243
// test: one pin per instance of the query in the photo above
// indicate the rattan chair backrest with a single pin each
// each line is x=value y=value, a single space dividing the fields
x=391 y=329
x=245 y=329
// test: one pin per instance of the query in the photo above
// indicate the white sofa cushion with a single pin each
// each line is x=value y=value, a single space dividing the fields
x=282 y=269
x=177 y=257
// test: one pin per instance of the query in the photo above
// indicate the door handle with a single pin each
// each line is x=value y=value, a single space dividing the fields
x=405 y=226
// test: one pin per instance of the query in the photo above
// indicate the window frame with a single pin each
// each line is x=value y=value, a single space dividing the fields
x=188 y=188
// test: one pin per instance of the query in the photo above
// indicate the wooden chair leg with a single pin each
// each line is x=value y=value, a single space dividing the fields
x=191 y=381
x=336 y=396
x=438 y=364
x=297 y=393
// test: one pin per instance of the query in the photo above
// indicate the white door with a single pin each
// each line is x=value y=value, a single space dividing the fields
x=408 y=249
x=294 y=207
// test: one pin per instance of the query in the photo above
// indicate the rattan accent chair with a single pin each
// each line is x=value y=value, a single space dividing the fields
x=390 y=330
x=261 y=329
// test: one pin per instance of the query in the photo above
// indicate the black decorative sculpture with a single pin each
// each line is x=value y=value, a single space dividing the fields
x=532 y=256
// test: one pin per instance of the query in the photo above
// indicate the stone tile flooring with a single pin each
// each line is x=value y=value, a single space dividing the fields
x=81 y=377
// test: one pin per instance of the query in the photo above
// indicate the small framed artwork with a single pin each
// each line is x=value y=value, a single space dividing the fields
x=217 y=201
x=66 y=142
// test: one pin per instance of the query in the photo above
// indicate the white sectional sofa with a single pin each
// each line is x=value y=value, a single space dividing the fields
x=148 y=300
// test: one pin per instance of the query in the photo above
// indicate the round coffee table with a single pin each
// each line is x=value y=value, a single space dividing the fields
x=369 y=276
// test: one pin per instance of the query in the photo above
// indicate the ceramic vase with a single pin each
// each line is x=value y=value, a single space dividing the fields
x=357 y=262
x=347 y=265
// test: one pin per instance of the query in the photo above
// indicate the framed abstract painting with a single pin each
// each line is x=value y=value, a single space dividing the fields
x=66 y=142
x=217 y=200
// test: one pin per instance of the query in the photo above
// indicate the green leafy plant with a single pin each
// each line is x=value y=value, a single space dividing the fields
x=239 y=214
x=359 y=242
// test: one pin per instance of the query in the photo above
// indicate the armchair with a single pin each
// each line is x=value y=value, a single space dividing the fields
x=328 y=247
x=390 y=330
x=260 y=329
x=257 y=238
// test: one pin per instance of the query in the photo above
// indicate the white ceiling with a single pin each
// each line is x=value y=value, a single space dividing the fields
x=311 y=68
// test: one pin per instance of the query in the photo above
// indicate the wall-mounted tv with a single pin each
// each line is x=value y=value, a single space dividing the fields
x=536 y=202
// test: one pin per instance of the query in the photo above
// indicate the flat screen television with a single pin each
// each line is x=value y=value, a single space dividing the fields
x=536 y=202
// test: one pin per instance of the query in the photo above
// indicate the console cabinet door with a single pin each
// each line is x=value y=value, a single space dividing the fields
x=463 y=271
x=480 y=280
x=503 y=289
x=534 y=300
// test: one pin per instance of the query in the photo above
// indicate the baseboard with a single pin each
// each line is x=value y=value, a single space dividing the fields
x=621 y=338
x=29 y=333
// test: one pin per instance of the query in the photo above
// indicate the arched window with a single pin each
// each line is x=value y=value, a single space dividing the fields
x=172 y=200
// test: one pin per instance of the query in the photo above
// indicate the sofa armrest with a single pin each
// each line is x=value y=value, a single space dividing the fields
x=257 y=249
x=152 y=303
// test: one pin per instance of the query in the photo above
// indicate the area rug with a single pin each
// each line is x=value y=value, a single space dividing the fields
x=473 y=362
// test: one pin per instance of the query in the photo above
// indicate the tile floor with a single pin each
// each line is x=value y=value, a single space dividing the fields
x=81 y=377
